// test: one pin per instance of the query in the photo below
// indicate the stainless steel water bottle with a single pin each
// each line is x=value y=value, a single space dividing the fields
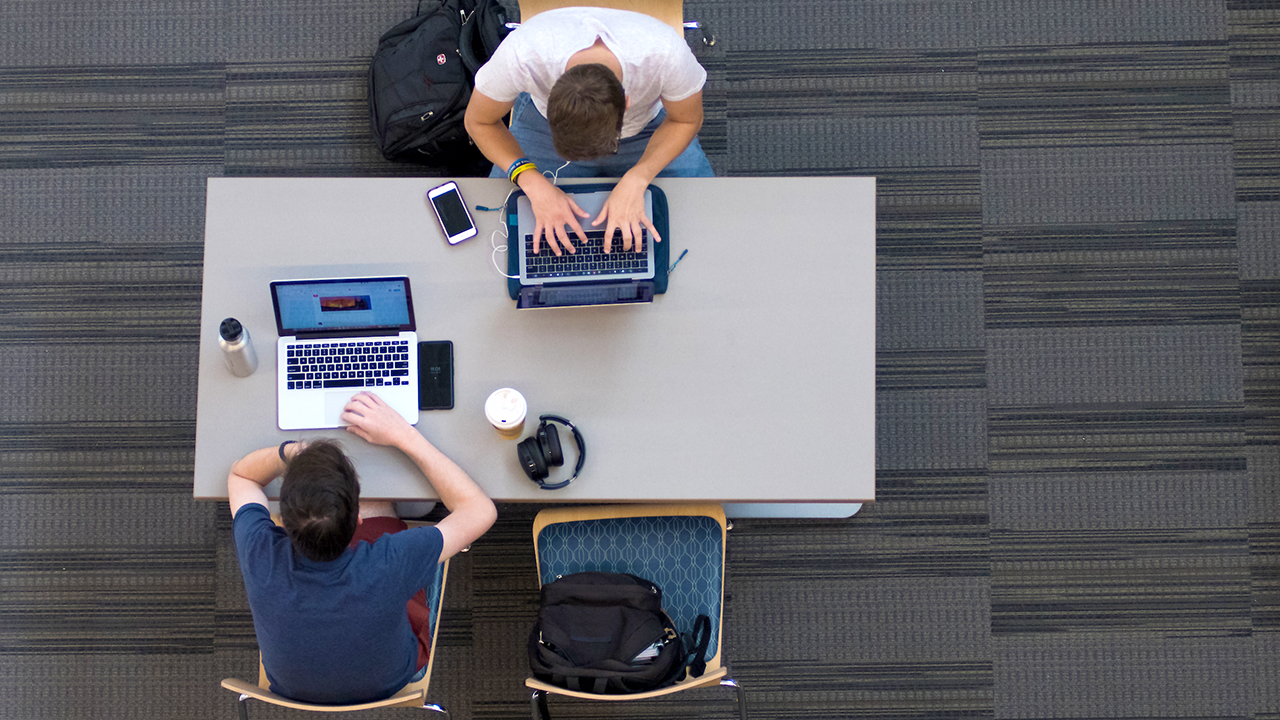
x=237 y=350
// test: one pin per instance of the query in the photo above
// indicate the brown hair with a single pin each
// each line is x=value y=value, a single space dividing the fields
x=320 y=501
x=585 y=112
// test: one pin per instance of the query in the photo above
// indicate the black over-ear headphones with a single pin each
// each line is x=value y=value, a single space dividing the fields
x=542 y=451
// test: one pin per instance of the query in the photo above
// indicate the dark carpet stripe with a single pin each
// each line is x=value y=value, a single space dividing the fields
x=1264 y=556
x=112 y=115
x=131 y=600
x=1176 y=582
x=1255 y=70
x=925 y=524
x=1260 y=342
x=30 y=445
x=86 y=292
x=853 y=82
x=1257 y=159
x=303 y=118
x=1112 y=437
x=1090 y=95
x=927 y=219
x=931 y=370
x=715 y=105
x=1253 y=26
x=1117 y=274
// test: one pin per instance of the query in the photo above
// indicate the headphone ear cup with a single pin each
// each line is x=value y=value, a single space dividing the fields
x=549 y=439
x=531 y=460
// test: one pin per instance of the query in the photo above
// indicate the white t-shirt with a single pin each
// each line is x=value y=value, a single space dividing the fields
x=656 y=63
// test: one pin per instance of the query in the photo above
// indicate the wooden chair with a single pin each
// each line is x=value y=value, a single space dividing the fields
x=670 y=12
x=411 y=695
x=678 y=547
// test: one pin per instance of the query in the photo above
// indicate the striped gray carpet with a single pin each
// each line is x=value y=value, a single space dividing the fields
x=1078 y=411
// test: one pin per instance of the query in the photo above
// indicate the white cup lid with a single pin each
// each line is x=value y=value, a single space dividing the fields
x=505 y=408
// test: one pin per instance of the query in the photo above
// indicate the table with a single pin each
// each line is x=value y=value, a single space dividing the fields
x=751 y=380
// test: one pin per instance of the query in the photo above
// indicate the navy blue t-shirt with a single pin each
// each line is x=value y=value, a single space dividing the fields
x=334 y=632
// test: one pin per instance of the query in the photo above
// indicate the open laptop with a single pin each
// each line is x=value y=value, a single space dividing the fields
x=588 y=276
x=340 y=336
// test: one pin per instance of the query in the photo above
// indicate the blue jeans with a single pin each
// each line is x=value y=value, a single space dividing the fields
x=533 y=133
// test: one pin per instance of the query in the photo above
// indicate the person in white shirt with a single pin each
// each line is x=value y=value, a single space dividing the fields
x=611 y=93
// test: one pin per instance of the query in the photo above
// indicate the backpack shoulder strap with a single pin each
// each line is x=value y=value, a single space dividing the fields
x=467 y=44
x=482 y=30
x=698 y=646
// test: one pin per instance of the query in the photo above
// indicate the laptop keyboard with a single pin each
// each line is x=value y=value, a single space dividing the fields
x=588 y=260
x=369 y=363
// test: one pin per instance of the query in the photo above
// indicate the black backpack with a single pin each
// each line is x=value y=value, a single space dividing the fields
x=420 y=80
x=606 y=633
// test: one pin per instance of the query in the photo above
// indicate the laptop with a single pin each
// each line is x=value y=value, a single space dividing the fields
x=338 y=337
x=588 y=276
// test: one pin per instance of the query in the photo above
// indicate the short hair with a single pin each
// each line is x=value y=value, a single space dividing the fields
x=320 y=500
x=585 y=111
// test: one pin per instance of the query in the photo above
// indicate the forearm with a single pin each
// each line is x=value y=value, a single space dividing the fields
x=262 y=466
x=670 y=139
x=454 y=486
x=495 y=141
x=502 y=149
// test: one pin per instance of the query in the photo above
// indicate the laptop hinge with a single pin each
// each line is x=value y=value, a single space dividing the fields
x=367 y=332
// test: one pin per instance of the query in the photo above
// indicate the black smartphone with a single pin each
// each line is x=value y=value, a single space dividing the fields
x=435 y=375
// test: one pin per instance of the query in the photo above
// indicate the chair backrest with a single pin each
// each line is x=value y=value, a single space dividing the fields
x=678 y=547
x=670 y=12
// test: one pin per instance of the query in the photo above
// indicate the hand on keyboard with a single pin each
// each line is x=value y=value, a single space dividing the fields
x=552 y=210
x=624 y=210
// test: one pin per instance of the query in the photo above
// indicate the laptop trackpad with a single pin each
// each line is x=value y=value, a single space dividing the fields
x=333 y=404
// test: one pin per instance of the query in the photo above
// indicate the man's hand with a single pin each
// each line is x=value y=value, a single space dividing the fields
x=552 y=210
x=625 y=210
x=471 y=512
x=374 y=420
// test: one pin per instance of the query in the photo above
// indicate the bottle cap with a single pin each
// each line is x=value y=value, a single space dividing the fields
x=230 y=329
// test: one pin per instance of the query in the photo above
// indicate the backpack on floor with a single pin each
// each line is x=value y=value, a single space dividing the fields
x=606 y=633
x=421 y=77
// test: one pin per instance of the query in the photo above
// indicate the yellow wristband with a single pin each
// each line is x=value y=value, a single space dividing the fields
x=516 y=173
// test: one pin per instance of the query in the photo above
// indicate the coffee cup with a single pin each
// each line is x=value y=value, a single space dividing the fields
x=505 y=409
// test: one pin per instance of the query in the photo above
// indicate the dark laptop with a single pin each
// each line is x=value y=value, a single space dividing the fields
x=588 y=276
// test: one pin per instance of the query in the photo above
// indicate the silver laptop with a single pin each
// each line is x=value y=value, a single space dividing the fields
x=341 y=336
x=589 y=264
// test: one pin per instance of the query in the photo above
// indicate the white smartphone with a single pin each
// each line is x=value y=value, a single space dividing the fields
x=452 y=213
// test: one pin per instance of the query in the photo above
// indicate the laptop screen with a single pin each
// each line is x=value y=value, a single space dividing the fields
x=342 y=305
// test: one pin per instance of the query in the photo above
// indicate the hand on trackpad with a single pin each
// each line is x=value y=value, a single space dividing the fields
x=333 y=404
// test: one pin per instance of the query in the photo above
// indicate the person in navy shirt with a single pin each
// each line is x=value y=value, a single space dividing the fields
x=337 y=594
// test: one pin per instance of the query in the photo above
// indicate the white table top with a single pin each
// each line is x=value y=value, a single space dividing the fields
x=751 y=379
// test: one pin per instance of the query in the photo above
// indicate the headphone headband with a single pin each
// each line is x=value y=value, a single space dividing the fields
x=577 y=439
